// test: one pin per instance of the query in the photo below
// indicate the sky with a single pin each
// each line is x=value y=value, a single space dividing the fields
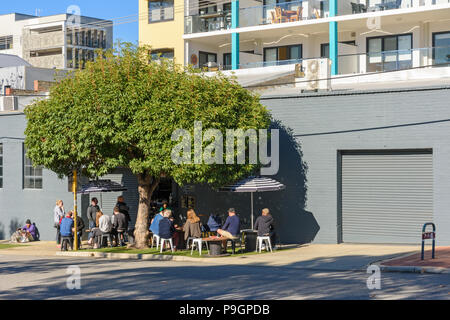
x=104 y=9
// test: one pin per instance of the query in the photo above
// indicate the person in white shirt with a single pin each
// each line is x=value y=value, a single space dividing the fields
x=58 y=214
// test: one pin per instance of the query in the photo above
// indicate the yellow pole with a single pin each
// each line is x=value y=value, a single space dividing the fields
x=74 y=189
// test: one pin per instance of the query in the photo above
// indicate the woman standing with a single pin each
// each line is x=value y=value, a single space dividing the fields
x=58 y=214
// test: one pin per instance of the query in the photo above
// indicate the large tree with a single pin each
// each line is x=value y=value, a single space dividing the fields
x=121 y=111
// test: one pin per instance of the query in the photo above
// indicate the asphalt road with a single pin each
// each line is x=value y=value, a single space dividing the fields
x=24 y=277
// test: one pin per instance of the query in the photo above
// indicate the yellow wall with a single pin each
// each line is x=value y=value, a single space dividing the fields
x=166 y=34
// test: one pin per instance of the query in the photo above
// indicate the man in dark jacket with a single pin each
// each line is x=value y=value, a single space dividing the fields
x=80 y=227
x=92 y=214
x=120 y=225
x=265 y=225
x=123 y=208
x=166 y=228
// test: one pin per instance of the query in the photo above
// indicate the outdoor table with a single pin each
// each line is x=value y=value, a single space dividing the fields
x=215 y=245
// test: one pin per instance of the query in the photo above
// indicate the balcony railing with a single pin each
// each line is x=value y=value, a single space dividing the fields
x=214 y=19
x=394 y=60
x=364 y=63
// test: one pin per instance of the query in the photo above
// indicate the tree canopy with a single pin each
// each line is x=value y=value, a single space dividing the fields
x=121 y=111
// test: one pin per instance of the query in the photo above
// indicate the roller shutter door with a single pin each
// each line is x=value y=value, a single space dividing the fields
x=386 y=197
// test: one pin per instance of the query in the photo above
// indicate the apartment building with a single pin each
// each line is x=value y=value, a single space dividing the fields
x=59 y=41
x=358 y=36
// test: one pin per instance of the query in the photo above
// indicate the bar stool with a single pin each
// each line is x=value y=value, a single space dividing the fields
x=120 y=235
x=164 y=241
x=64 y=241
x=157 y=238
x=261 y=240
x=199 y=243
x=108 y=237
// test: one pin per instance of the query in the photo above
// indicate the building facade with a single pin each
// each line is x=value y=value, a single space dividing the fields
x=57 y=41
x=359 y=36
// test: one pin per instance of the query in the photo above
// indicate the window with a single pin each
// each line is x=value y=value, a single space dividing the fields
x=325 y=48
x=389 y=53
x=161 y=10
x=32 y=176
x=162 y=53
x=1 y=165
x=227 y=61
x=282 y=55
x=441 y=48
x=205 y=57
x=6 y=43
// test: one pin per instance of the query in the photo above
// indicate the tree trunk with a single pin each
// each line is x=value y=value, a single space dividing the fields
x=147 y=184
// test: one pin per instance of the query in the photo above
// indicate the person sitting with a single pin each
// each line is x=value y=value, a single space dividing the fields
x=120 y=225
x=154 y=225
x=192 y=227
x=21 y=236
x=166 y=228
x=31 y=229
x=231 y=228
x=165 y=206
x=265 y=225
x=66 y=229
x=214 y=223
x=104 y=226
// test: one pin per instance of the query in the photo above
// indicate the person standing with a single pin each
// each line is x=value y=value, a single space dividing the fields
x=58 y=214
x=91 y=214
x=120 y=225
x=123 y=207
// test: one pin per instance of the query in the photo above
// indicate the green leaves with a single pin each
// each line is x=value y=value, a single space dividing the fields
x=122 y=110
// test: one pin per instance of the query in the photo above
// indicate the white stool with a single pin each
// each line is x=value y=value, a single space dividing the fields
x=164 y=241
x=155 y=237
x=199 y=243
x=190 y=239
x=261 y=240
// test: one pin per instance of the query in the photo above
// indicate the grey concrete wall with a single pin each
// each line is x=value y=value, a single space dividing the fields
x=379 y=121
x=17 y=204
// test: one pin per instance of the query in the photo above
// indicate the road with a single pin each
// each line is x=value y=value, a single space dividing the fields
x=26 y=277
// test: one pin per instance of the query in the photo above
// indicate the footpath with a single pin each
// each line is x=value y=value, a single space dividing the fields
x=338 y=257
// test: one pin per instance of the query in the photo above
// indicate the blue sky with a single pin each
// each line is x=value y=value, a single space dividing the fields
x=106 y=9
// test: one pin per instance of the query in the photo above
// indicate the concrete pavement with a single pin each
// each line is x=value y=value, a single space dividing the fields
x=31 y=277
x=343 y=257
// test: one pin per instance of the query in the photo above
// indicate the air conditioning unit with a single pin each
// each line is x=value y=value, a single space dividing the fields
x=317 y=74
x=9 y=103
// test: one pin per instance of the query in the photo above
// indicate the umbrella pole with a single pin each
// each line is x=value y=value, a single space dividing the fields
x=252 y=208
x=101 y=201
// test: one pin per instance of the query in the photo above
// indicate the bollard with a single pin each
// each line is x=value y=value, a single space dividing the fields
x=428 y=236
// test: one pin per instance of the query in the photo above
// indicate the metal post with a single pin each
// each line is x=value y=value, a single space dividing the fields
x=428 y=235
x=252 y=209
x=74 y=190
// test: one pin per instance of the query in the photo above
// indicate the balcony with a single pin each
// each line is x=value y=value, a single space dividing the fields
x=215 y=19
x=363 y=63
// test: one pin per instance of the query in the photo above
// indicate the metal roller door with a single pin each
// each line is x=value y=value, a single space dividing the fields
x=386 y=196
